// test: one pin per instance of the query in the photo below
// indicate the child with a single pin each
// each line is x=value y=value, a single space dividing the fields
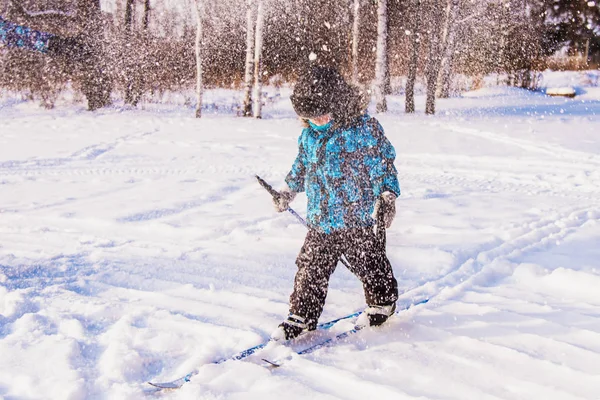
x=345 y=164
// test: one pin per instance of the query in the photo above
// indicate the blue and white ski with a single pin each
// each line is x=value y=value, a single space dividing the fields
x=177 y=383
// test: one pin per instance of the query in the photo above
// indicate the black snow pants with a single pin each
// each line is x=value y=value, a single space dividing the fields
x=318 y=258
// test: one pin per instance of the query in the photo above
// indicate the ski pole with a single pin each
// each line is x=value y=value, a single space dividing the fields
x=276 y=196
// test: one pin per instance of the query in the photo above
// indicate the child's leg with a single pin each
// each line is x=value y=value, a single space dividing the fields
x=316 y=262
x=368 y=261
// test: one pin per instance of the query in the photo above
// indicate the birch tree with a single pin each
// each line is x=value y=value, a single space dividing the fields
x=258 y=44
x=409 y=106
x=199 y=36
x=503 y=17
x=355 y=39
x=447 y=49
x=130 y=65
x=381 y=57
x=248 y=74
x=433 y=62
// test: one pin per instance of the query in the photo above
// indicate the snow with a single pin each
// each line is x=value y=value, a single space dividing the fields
x=585 y=84
x=136 y=245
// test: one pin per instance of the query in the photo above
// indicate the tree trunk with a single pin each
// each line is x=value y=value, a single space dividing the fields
x=199 y=36
x=381 y=60
x=146 y=20
x=355 y=39
x=134 y=64
x=130 y=64
x=250 y=15
x=433 y=63
x=258 y=60
x=387 y=82
x=501 y=64
x=409 y=106
x=141 y=69
x=445 y=75
x=95 y=83
x=128 y=17
x=447 y=49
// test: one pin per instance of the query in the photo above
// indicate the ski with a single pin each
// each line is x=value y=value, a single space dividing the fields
x=343 y=335
x=179 y=382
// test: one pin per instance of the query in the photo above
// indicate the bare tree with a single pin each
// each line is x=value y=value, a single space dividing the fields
x=131 y=67
x=504 y=26
x=96 y=84
x=258 y=44
x=414 y=59
x=146 y=19
x=475 y=38
x=135 y=61
x=433 y=62
x=355 y=39
x=249 y=69
x=381 y=57
x=447 y=49
x=199 y=37
x=128 y=16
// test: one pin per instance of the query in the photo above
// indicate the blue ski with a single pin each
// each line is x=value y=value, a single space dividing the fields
x=177 y=383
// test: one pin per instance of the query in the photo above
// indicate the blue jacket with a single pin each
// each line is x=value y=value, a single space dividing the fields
x=14 y=35
x=343 y=172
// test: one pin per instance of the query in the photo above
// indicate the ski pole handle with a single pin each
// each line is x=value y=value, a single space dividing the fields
x=276 y=196
x=268 y=188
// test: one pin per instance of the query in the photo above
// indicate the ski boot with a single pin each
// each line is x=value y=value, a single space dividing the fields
x=376 y=315
x=291 y=328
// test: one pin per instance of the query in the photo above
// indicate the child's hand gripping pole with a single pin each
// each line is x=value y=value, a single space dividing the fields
x=276 y=196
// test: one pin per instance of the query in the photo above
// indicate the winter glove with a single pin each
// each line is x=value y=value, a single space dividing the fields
x=282 y=202
x=387 y=205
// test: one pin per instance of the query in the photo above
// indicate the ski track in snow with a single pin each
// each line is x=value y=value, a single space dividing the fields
x=141 y=256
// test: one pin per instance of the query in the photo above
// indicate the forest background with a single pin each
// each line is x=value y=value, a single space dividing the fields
x=142 y=49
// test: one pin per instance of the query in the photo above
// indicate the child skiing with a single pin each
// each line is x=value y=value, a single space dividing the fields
x=345 y=164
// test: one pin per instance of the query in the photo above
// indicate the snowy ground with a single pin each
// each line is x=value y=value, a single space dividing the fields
x=136 y=246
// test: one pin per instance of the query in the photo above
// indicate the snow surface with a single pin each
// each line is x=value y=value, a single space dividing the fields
x=136 y=245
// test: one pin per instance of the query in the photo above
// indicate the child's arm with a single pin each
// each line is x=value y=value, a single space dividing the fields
x=295 y=178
